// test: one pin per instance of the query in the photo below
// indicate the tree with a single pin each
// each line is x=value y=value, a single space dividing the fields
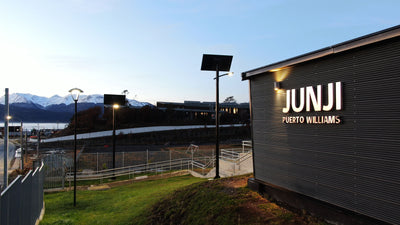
x=230 y=99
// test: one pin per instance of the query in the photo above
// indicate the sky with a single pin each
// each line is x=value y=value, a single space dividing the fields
x=154 y=48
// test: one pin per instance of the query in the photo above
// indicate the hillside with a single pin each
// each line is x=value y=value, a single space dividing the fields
x=224 y=201
x=173 y=200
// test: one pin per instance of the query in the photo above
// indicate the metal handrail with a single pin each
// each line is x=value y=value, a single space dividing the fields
x=247 y=144
x=245 y=157
x=199 y=165
x=232 y=154
x=129 y=170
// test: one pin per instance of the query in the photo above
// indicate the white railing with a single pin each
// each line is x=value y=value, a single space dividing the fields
x=247 y=145
x=244 y=157
x=157 y=167
x=230 y=154
x=208 y=163
x=233 y=154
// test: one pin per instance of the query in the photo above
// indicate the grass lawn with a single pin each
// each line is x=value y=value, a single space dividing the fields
x=120 y=205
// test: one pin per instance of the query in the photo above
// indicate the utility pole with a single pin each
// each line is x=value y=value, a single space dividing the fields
x=38 y=142
x=6 y=117
x=22 y=148
x=26 y=142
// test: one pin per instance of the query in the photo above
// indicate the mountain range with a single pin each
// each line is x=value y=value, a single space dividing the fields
x=33 y=108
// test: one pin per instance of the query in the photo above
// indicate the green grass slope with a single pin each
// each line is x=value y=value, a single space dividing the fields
x=224 y=201
x=120 y=205
x=175 y=200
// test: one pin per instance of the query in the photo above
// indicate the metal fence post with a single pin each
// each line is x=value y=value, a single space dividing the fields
x=147 y=159
x=170 y=161
x=63 y=174
x=97 y=160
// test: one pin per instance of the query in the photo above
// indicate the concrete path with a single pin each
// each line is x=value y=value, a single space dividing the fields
x=229 y=169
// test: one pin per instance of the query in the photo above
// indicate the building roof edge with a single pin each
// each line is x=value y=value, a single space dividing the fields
x=343 y=46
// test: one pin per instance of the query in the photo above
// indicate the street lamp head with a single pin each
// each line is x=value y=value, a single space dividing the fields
x=115 y=106
x=230 y=74
x=8 y=117
x=75 y=92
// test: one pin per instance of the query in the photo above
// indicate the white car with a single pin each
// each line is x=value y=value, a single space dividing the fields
x=18 y=153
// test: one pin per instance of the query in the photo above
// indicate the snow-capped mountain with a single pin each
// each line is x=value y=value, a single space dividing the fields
x=58 y=100
x=33 y=108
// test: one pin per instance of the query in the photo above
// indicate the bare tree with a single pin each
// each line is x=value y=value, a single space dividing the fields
x=230 y=99
x=125 y=92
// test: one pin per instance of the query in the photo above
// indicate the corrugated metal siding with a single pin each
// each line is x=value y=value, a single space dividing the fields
x=354 y=165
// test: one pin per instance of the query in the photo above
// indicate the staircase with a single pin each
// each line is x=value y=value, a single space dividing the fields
x=232 y=162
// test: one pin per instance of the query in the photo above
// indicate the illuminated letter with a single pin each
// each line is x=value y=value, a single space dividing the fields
x=310 y=97
x=338 y=95
x=287 y=109
x=301 y=105
x=330 y=98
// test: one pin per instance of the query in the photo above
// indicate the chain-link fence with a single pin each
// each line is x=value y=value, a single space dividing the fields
x=101 y=161
x=57 y=166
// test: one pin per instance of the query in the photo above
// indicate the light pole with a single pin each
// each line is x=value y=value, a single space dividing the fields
x=217 y=63
x=115 y=106
x=6 y=118
x=22 y=146
x=115 y=101
x=75 y=92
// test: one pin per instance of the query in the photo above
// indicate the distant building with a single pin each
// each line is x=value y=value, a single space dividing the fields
x=13 y=131
x=193 y=110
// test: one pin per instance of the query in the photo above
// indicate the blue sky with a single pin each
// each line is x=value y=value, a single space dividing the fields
x=153 y=48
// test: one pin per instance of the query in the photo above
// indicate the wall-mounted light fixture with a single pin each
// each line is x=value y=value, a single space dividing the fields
x=277 y=86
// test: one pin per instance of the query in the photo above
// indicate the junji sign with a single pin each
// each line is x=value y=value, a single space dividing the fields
x=309 y=97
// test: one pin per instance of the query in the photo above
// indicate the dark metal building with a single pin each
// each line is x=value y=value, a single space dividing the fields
x=330 y=132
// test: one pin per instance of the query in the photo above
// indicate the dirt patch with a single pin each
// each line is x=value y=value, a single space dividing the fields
x=237 y=182
x=98 y=187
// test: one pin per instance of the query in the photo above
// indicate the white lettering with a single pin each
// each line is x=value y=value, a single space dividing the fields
x=287 y=108
x=316 y=100
x=338 y=95
x=308 y=97
x=329 y=106
x=301 y=105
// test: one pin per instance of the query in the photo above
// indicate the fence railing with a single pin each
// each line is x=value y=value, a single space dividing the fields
x=96 y=166
x=156 y=167
x=244 y=157
x=233 y=154
x=22 y=201
x=247 y=145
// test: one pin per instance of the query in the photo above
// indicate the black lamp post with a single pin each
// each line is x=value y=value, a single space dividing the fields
x=115 y=101
x=75 y=92
x=6 y=141
x=115 y=106
x=217 y=63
